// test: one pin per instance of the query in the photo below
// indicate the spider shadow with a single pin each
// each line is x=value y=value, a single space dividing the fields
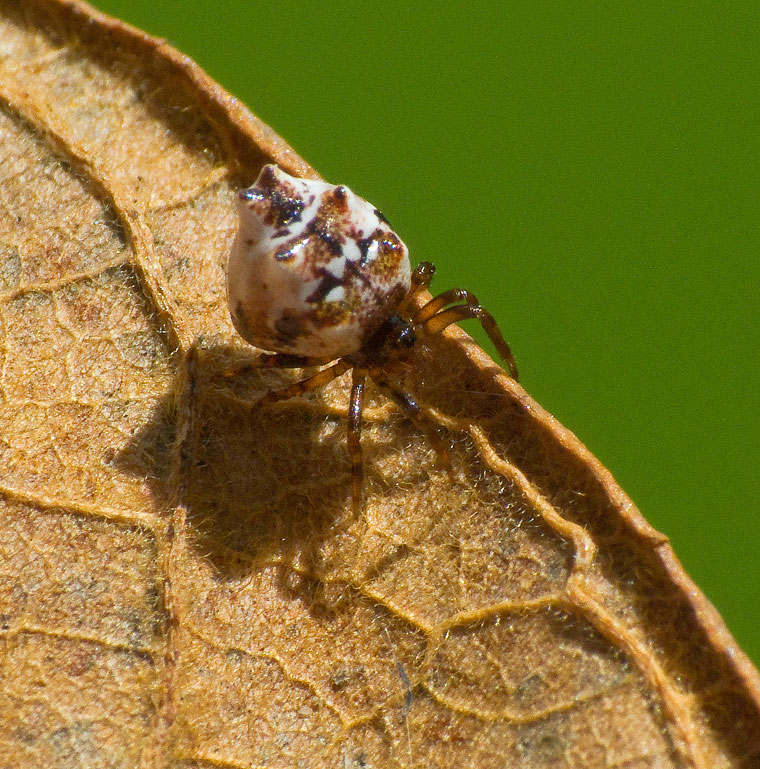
x=271 y=484
x=260 y=485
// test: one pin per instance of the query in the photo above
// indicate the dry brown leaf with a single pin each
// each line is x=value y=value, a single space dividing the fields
x=183 y=584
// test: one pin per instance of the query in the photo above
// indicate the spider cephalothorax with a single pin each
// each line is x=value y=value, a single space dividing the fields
x=317 y=276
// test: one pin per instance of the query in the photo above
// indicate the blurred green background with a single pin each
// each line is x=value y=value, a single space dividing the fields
x=590 y=170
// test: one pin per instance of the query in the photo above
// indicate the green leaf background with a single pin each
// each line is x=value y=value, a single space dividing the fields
x=591 y=171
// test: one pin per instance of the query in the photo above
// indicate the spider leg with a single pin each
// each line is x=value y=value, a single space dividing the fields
x=354 y=435
x=439 y=302
x=414 y=413
x=420 y=280
x=274 y=360
x=286 y=360
x=444 y=318
x=305 y=385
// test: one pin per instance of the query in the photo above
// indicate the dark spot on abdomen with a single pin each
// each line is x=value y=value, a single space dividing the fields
x=289 y=327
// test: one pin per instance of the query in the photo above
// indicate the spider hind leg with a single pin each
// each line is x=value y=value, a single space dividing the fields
x=305 y=385
x=272 y=360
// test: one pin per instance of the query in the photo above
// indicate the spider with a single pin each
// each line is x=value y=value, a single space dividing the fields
x=317 y=277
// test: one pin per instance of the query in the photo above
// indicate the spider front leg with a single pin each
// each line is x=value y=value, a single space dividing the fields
x=420 y=280
x=437 y=303
x=434 y=324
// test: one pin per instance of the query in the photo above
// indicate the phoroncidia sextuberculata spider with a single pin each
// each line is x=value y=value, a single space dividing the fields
x=317 y=277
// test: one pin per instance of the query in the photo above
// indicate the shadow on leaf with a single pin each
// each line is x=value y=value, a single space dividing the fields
x=259 y=484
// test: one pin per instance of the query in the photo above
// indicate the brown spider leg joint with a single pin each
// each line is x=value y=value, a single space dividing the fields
x=438 y=322
x=355 y=408
x=305 y=385
x=437 y=303
x=421 y=278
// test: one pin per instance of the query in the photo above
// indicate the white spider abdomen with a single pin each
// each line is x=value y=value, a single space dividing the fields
x=314 y=269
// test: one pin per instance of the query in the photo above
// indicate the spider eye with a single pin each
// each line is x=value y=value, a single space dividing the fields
x=407 y=337
x=399 y=333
